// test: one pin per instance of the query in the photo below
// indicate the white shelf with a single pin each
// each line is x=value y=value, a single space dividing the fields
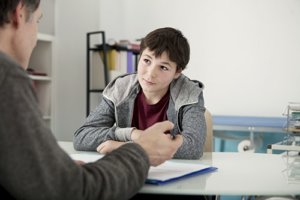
x=45 y=37
x=47 y=117
x=286 y=146
x=41 y=61
x=40 y=78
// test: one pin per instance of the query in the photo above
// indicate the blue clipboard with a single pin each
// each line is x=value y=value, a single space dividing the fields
x=176 y=178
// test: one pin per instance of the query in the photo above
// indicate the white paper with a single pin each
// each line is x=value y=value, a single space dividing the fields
x=171 y=169
x=167 y=170
x=87 y=158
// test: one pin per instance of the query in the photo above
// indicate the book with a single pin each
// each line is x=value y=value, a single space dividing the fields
x=112 y=57
x=167 y=172
x=130 y=62
x=97 y=80
x=123 y=62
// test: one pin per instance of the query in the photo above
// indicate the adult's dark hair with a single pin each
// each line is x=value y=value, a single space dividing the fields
x=172 y=42
x=7 y=7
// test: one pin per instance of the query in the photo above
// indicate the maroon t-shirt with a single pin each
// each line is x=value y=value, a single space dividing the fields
x=145 y=115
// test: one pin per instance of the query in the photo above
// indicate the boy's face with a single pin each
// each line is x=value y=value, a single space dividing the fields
x=156 y=73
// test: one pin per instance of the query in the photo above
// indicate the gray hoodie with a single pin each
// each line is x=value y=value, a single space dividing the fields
x=111 y=120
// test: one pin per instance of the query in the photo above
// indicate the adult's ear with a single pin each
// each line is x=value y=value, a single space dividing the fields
x=18 y=15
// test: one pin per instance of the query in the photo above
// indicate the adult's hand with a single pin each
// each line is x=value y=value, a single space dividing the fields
x=158 y=145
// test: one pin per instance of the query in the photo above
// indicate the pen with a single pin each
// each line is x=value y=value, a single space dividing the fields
x=173 y=135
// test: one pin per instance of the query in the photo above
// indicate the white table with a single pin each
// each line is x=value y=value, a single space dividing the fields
x=238 y=174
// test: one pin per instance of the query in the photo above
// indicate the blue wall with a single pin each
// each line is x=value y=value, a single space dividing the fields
x=231 y=139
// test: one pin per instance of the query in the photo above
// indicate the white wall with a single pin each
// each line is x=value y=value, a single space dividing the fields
x=246 y=52
x=74 y=19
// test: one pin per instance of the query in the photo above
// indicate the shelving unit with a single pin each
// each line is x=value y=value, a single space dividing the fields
x=291 y=144
x=93 y=38
x=97 y=76
x=292 y=139
x=41 y=61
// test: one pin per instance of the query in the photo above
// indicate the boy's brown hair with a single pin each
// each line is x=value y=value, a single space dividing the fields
x=172 y=42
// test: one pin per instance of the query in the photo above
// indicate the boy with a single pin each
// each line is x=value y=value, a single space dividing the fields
x=159 y=91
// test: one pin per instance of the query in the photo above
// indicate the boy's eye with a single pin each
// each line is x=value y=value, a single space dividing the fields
x=146 y=61
x=164 y=68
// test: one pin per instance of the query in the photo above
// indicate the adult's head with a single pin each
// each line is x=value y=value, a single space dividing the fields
x=8 y=7
x=18 y=28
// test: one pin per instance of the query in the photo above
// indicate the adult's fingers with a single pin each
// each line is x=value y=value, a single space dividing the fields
x=164 y=126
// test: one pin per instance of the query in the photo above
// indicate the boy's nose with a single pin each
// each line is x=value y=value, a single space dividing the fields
x=152 y=71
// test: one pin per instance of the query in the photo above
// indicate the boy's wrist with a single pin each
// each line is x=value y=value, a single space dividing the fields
x=135 y=134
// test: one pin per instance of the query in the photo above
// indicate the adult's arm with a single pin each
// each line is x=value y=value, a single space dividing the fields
x=33 y=166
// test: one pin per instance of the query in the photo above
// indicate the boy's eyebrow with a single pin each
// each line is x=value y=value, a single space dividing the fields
x=151 y=56
x=148 y=55
x=166 y=63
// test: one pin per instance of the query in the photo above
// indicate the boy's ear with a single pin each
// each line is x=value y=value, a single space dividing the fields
x=178 y=73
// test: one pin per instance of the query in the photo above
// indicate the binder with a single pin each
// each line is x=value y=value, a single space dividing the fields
x=173 y=171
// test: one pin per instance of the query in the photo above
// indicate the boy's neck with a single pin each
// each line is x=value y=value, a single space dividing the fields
x=154 y=97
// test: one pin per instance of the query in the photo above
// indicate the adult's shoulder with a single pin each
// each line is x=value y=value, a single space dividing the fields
x=9 y=68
